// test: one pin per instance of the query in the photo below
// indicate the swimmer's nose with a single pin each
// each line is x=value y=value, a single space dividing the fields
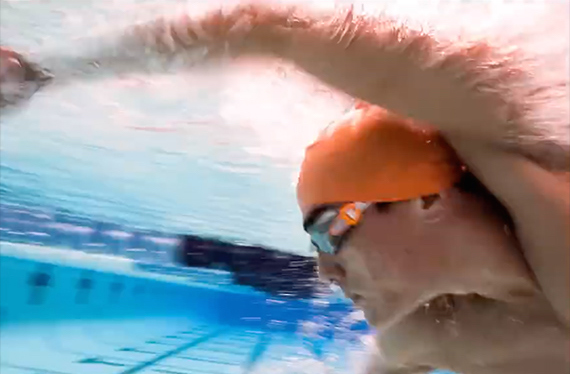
x=330 y=270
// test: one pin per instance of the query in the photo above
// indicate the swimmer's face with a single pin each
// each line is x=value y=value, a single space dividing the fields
x=403 y=255
x=19 y=78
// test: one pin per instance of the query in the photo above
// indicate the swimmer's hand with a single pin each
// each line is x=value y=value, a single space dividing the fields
x=20 y=78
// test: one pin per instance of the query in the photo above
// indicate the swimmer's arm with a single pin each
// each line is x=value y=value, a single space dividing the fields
x=455 y=87
x=170 y=43
x=539 y=202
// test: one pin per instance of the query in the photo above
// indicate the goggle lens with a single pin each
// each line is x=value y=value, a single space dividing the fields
x=332 y=225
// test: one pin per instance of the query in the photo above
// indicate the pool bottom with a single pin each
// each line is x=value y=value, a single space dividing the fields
x=164 y=345
x=64 y=312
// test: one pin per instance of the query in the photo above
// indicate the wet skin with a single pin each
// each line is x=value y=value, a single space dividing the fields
x=443 y=282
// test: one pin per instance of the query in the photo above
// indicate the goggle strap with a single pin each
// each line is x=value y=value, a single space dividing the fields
x=348 y=216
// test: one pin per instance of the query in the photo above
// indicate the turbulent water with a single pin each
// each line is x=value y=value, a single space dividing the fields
x=204 y=152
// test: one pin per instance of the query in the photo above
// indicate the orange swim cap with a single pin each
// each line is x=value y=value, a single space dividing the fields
x=374 y=156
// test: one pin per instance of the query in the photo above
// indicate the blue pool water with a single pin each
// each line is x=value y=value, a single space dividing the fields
x=77 y=313
x=70 y=316
x=66 y=310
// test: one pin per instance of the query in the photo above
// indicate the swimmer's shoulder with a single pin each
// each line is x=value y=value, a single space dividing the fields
x=451 y=337
x=538 y=200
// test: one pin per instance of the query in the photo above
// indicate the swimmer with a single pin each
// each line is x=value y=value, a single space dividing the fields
x=423 y=248
x=459 y=252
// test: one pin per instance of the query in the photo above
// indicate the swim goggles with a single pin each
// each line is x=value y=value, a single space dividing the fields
x=329 y=226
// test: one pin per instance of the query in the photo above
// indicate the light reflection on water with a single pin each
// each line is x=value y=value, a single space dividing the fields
x=203 y=152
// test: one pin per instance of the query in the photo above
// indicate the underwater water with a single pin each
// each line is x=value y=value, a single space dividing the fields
x=108 y=308
x=208 y=152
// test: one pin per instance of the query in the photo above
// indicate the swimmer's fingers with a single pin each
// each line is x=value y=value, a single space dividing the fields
x=14 y=66
x=19 y=78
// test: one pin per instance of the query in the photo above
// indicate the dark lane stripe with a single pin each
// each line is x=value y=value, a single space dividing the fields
x=143 y=365
x=258 y=351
